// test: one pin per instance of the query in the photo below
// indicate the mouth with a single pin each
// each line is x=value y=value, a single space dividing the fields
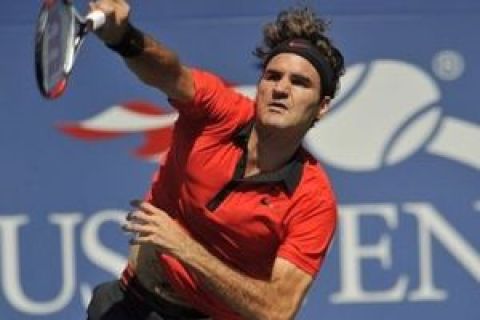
x=277 y=106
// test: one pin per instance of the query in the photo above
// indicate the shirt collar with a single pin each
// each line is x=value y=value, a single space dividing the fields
x=290 y=174
x=241 y=136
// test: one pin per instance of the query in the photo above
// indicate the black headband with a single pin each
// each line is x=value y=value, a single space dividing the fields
x=305 y=49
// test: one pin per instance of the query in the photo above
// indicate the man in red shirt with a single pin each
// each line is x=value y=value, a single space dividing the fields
x=239 y=218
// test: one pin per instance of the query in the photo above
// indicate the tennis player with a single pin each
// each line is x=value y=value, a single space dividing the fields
x=238 y=221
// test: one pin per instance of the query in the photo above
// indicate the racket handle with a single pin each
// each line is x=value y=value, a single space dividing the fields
x=95 y=19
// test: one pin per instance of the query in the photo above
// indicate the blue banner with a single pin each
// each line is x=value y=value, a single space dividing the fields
x=401 y=144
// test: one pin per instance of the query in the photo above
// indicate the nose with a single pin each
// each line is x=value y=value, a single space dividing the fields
x=281 y=88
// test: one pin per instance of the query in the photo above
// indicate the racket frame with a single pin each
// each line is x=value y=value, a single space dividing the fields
x=78 y=28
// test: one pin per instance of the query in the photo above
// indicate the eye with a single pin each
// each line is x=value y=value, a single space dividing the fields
x=272 y=75
x=301 y=81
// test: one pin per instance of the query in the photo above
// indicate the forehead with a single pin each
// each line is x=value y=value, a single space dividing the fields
x=293 y=64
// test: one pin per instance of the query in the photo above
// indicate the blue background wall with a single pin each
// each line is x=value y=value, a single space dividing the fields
x=402 y=146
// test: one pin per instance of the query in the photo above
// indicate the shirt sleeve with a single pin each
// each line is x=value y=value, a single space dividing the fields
x=214 y=101
x=309 y=234
x=216 y=111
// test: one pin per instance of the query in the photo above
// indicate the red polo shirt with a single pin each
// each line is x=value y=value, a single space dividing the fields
x=245 y=222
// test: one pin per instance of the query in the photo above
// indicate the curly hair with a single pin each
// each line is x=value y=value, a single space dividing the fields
x=301 y=22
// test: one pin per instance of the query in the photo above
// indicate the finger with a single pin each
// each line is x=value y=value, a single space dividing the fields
x=107 y=8
x=138 y=228
x=150 y=208
x=147 y=207
x=141 y=217
x=134 y=215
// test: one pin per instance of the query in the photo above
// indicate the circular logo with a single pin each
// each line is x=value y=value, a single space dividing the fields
x=387 y=111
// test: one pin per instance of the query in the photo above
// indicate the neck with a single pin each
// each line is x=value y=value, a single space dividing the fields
x=270 y=149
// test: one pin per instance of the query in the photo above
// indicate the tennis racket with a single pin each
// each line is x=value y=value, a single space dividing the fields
x=60 y=33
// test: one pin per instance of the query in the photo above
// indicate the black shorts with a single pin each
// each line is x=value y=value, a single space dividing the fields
x=111 y=302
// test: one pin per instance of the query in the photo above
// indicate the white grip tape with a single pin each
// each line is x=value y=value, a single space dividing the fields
x=97 y=18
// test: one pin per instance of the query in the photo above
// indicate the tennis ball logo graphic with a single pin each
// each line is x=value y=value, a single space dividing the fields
x=387 y=110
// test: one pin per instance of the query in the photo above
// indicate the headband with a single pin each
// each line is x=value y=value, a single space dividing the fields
x=305 y=49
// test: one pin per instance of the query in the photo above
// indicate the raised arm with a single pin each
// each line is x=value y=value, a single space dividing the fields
x=152 y=62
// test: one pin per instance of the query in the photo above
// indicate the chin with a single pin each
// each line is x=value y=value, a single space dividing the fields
x=273 y=121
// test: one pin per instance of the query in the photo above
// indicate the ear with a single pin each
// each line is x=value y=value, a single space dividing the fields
x=324 y=107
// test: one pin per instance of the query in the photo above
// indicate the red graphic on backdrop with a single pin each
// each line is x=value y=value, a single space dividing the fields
x=132 y=117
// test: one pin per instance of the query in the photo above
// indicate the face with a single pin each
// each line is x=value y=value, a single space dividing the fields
x=288 y=94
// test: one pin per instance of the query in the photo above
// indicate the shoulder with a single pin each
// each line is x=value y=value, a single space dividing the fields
x=215 y=100
x=315 y=184
x=207 y=82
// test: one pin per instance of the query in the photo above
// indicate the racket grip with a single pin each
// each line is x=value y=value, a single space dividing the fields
x=95 y=19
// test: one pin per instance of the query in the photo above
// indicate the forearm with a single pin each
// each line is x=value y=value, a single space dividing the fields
x=154 y=63
x=277 y=298
x=160 y=67
x=251 y=298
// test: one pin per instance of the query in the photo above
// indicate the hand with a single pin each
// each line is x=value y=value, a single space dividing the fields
x=154 y=226
x=117 y=12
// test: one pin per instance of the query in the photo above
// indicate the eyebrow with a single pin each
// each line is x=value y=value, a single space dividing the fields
x=303 y=79
x=294 y=76
x=272 y=71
